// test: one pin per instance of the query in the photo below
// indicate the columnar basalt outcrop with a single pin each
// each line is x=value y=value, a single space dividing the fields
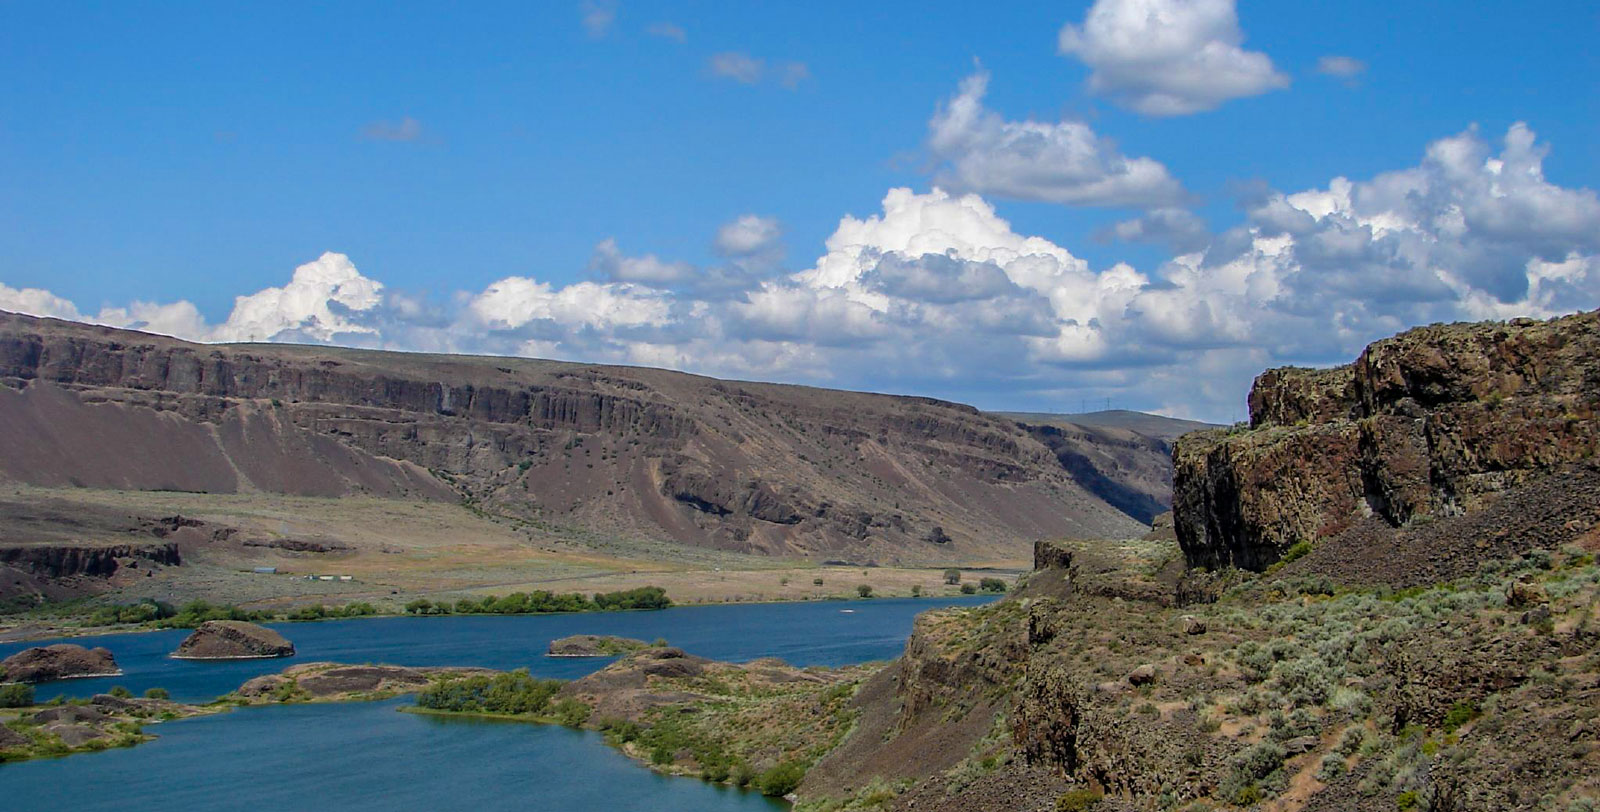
x=57 y=561
x=1433 y=422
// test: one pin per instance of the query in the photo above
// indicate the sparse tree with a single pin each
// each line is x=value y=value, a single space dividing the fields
x=952 y=576
x=865 y=590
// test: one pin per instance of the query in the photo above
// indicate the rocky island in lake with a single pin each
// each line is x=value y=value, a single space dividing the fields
x=233 y=640
x=60 y=661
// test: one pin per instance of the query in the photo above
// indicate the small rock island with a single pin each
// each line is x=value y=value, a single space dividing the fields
x=233 y=640
x=60 y=661
x=594 y=645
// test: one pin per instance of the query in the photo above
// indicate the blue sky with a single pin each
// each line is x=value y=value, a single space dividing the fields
x=198 y=152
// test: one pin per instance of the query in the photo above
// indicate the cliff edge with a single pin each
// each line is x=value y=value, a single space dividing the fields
x=1433 y=423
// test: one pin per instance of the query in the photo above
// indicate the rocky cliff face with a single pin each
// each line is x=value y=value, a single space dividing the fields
x=738 y=466
x=1433 y=422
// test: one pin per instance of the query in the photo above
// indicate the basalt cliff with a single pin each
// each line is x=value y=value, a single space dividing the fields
x=1433 y=423
x=1385 y=597
x=745 y=467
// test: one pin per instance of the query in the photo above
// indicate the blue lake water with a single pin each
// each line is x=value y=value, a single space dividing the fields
x=368 y=756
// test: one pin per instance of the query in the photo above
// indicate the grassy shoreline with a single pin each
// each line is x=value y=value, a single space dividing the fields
x=25 y=631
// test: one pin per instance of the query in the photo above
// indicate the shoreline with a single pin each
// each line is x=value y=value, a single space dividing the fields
x=72 y=632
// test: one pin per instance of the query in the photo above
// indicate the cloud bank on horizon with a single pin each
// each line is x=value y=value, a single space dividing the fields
x=936 y=293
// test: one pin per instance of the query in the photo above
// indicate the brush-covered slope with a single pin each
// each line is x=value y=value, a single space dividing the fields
x=738 y=466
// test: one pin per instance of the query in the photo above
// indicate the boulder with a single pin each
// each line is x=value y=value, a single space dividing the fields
x=671 y=663
x=1193 y=625
x=1538 y=615
x=11 y=739
x=112 y=702
x=233 y=640
x=1525 y=592
x=60 y=661
x=1301 y=744
x=1143 y=675
x=75 y=735
x=70 y=714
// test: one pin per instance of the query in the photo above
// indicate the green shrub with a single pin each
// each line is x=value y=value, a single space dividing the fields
x=120 y=692
x=16 y=695
x=515 y=693
x=1296 y=551
x=1332 y=767
x=992 y=585
x=816 y=582
x=865 y=590
x=1458 y=715
x=196 y=612
x=969 y=589
x=916 y=590
x=157 y=693
x=781 y=780
x=571 y=712
x=1078 y=800
x=1408 y=800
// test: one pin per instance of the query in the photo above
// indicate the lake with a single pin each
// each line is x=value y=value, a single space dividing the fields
x=368 y=756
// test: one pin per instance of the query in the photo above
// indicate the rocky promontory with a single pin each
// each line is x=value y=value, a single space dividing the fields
x=233 y=640
x=60 y=661
x=594 y=645
x=1433 y=423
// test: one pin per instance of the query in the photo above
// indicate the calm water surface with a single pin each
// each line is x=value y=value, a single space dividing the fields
x=368 y=756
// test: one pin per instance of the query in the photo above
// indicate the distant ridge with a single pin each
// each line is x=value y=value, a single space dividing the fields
x=630 y=451
x=1152 y=425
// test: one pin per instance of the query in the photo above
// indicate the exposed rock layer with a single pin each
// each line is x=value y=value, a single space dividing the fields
x=739 y=466
x=1437 y=421
x=233 y=640
x=60 y=661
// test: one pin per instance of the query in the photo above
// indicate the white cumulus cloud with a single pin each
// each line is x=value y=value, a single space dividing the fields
x=1168 y=57
x=935 y=293
x=1062 y=162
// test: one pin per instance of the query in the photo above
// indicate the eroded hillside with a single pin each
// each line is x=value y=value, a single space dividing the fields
x=743 y=467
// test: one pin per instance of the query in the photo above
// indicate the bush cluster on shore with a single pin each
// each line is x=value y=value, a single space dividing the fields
x=320 y=612
x=515 y=693
x=542 y=602
x=663 y=740
x=165 y=616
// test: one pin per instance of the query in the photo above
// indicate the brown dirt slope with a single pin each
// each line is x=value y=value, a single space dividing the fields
x=743 y=467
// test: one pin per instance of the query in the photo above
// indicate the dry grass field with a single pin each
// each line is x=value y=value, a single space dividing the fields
x=396 y=551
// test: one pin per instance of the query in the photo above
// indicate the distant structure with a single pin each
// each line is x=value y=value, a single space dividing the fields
x=265 y=570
